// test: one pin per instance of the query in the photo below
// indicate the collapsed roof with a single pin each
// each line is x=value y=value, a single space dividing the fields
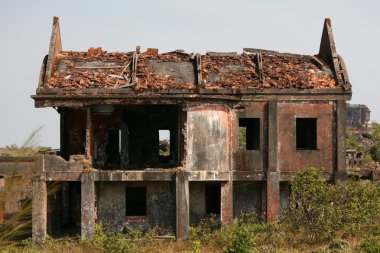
x=136 y=71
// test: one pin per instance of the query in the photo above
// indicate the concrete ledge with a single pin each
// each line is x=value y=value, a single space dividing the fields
x=141 y=175
x=209 y=175
x=63 y=176
x=170 y=175
x=248 y=175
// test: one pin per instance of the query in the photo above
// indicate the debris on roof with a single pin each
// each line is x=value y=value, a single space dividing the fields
x=178 y=70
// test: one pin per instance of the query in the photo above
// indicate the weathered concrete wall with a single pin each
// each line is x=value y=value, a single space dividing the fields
x=208 y=138
x=252 y=160
x=248 y=198
x=16 y=165
x=15 y=183
x=161 y=210
x=291 y=159
x=111 y=204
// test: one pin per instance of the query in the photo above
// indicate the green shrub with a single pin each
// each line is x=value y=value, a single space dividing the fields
x=205 y=229
x=311 y=213
x=338 y=246
x=352 y=143
x=367 y=160
x=357 y=206
x=369 y=245
x=117 y=243
x=197 y=247
x=109 y=241
x=375 y=152
x=242 y=242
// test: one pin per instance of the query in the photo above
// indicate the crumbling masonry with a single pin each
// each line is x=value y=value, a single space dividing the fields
x=240 y=126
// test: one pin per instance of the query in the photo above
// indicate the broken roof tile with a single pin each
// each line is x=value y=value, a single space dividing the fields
x=178 y=70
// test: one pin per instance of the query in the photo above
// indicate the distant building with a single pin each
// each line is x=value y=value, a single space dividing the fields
x=357 y=115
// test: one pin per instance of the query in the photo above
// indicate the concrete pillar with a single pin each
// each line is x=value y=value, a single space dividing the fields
x=39 y=209
x=124 y=146
x=62 y=114
x=226 y=197
x=89 y=137
x=273 y=182
x=182 y=205
x=341 y=172
x=273 y=196
x=88 y=212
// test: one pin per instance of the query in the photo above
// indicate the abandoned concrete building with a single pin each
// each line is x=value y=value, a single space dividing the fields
x=239 y=126
x=358 y=115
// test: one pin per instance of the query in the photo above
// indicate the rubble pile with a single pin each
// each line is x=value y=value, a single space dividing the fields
x=98 y=69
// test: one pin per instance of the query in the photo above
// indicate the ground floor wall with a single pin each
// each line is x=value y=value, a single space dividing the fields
x=159 y=210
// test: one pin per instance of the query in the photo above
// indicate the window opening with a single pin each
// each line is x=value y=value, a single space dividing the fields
x=135 y=201
x=213 y=199
x=249 y=134
x=113 y=147
x=164 y=146
x=306 y=133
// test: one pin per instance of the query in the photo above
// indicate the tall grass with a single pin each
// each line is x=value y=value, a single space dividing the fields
x=17 y=226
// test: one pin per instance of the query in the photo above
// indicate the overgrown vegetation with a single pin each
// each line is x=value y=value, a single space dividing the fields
x=366 y=141
x=375 y=137
x=323 y=217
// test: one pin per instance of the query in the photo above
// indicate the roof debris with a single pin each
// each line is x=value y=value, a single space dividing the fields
x=254 y=68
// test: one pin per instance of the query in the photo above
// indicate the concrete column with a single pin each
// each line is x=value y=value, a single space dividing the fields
x=341 y=172
x=88 y=212
x=62 y=114
x=124 y=146
x=182 y=205
x=226 y=196
x=89 y=135
x=39 y=209
x=273 y=183
x=273 y=196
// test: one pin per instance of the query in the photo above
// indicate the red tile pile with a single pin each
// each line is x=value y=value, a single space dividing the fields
x=94 y=69
x=292 y=72
x=278 y=71
x=244 y=76
x=69 y=72
x=147 y=79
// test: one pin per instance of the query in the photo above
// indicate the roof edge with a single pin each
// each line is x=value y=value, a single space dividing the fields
x=327 y=51
x=54 y=49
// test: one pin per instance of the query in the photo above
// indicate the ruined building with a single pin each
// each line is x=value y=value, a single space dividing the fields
x=240 y=126
x=358 y=115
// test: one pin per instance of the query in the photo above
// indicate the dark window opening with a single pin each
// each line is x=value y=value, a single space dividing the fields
x=213 y=199
x=306 y=133
x=135 y=201
x=153 y=136
x=113 y=148
x=249 y=133
x=64 y=208
x=164 y=145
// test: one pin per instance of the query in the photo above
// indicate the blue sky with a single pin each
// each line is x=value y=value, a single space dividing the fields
x=196 y=26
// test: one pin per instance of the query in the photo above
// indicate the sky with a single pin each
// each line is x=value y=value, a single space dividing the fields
x=196 y=26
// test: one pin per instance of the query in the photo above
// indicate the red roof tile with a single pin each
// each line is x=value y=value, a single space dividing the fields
x=177 y=70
